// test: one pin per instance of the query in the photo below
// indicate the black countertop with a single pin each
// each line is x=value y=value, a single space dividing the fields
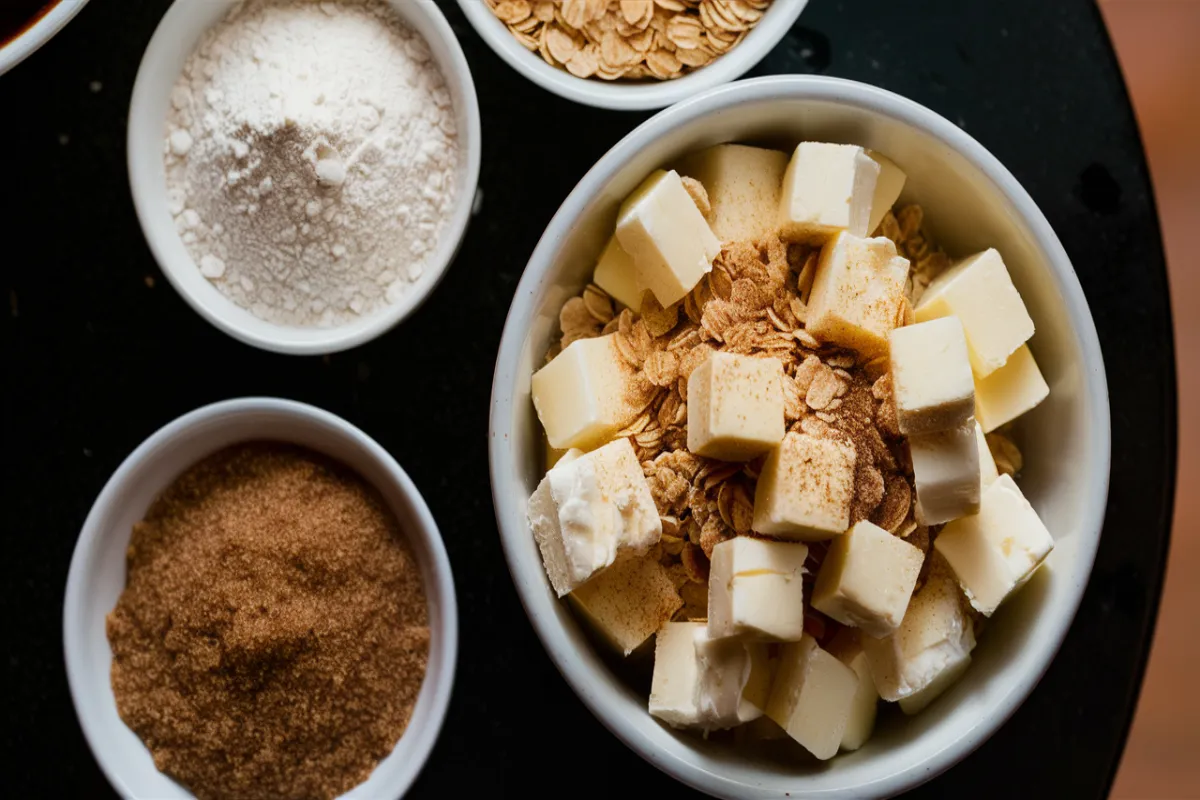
x=97 y=352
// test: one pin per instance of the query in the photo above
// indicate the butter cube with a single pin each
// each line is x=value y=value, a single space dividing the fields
x=586 y=394
x=946 y=470
x=616 y=275
x=744 y=185
x=887 y=189
x=1009 y=391
x=699 y=682
x=857 y=293
x=758 y=685
x=847 y=648
x=812 y=697
x=628 y=602
x=804 y=489
x=589 y=510
x=763 y=729
x=867 y=578
x=554 y=455
x=756 y=589
x=979 y=291
x=916 y=703
x=667 y=237
x=931 y=376
x=735 y=406
x=827 y=189
x=994 y=552
x=987 y=463
x=936 y=636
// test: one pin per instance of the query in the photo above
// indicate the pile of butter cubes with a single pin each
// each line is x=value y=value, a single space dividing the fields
x=960 y=371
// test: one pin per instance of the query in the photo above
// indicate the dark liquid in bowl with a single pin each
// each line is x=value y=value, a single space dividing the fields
x=16 y=16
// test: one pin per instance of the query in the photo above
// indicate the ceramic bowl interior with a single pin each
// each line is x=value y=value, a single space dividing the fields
x=971 y=202
x=634 y=95
x=97 y=577
x=43 y=30
x=173 y=42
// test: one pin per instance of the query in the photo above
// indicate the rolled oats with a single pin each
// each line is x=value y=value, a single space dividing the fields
x=629 y=39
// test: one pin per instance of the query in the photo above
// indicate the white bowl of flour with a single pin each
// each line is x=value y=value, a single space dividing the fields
x=304 y=172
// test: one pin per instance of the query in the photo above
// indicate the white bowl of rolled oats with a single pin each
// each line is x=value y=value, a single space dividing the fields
x=636 y=55
x=957 y=200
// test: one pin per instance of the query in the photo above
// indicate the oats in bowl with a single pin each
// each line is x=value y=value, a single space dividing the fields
x=794 y=397
x=629 y=39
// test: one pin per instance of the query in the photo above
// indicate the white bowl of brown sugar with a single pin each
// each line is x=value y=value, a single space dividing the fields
x=260 y=604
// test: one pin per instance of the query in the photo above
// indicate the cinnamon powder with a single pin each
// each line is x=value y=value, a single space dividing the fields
x=272 y=637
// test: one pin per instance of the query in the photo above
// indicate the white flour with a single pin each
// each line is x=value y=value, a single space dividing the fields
x=311 y=157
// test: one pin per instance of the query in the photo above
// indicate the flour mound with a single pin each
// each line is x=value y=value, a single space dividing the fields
x=311 y=158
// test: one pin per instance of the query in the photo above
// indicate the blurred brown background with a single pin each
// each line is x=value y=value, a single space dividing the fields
x=1158 y=42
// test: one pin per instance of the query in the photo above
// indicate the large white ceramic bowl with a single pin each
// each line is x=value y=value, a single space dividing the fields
x=97 y=577
x=37 y=34
x=634 y=95
x=173 y=42
x=971 y=202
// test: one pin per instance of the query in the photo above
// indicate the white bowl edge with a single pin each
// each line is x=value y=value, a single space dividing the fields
x=996 y=699
x=36 y=35
x=630 y=96
x=172 y=43
x=120 y=754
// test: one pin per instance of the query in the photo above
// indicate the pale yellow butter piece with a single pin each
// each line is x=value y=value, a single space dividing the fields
x=702 y=683
x=589 y=510
x=887 y=189
x=743 y=185
x=917 y=702
x=979 y=291
x=857 y=293
x=756 y=589
x=847 y=648
x=931 y=376
x=812 y=697
x=675 y=681
x=763 y=729
x=936 y=635
x=554 y=455
x=987 y=463
x=758 y=686
x=616 y=275
x=670 y=243
x=947 y=473
x=1010 y=391
x=994 y=552
x=867 y=578
x=628 y=602
x=804 y=489
x=735 y=406
x=586 y=394
x=827 y=189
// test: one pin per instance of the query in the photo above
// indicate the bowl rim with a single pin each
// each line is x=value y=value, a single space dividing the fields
x=441 y=593
x=32 y=38
x=214 y=306
x=628 y=96
x=538 y=604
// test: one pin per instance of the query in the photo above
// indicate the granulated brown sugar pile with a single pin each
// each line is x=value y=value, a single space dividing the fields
x=272 y=636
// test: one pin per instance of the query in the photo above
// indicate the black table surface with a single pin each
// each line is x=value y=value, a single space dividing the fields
x=97 y=352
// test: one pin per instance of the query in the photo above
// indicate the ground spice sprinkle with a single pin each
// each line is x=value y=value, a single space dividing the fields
x=272 y=637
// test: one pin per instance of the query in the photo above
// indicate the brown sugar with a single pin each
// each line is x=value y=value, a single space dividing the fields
x=272 y=637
